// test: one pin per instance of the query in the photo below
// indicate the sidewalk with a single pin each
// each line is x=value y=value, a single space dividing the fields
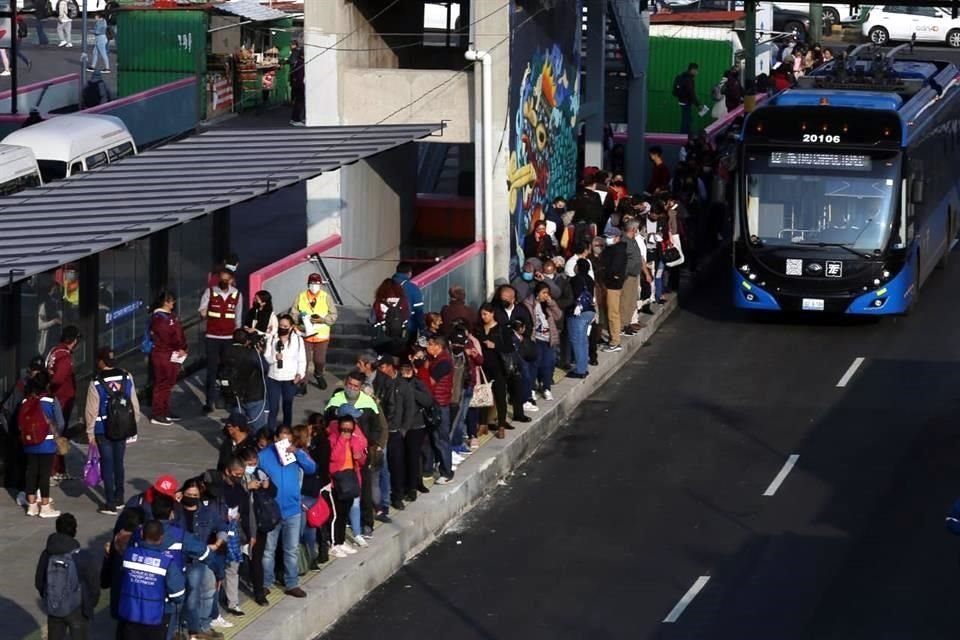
x=189 y=448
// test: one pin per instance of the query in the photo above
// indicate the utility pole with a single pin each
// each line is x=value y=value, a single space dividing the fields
x=750 y=47
x=816 y=22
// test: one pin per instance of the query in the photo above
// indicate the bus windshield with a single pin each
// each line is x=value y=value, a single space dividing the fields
x=809 y=197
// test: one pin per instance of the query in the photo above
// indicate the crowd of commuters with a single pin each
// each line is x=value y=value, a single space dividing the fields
x=431 y=387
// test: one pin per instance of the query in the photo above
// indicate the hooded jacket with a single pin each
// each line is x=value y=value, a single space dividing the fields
x=87 y=570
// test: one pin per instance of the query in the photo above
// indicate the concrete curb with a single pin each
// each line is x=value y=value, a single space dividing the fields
x=336 y=589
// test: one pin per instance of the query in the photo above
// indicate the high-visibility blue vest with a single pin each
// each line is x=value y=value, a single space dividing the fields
x=143 y=587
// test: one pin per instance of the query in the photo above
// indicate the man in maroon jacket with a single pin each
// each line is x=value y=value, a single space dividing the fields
x=437 y=372
x=63 y=384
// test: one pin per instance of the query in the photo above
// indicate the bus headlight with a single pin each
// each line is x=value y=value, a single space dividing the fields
x=752 y=276
x=745 y=268
x=886 y=274
x=876 y=282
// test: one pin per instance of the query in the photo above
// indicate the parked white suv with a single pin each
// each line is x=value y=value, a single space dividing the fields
x=897 y=23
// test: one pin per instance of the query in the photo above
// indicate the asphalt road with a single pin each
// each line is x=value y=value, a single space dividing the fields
x=659 y=481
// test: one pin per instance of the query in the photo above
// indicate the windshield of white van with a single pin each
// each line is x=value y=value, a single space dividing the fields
x=52 y=169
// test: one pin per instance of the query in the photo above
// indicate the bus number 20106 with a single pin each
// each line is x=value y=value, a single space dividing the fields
x=820 y=137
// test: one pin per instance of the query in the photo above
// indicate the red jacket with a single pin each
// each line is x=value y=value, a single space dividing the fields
x=338 y=448
x=63 y=381
x=167 y=332
x=438 y=376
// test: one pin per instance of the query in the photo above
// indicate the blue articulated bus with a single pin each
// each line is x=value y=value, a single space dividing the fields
x=847 y=196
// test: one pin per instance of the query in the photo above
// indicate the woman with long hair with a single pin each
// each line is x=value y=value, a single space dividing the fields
x=260 y=317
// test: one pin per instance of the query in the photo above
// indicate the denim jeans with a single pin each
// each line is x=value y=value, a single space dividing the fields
x=458 y=431
x=111 y=468
x=528 y=373
x=545 y=364
x=290 y=528
x=100 y=50
x=440 y=443
x=308 y=535
x=658 y=280
x=577 y=327
x=257 y=414
x=383 y=475
x=278 y=391
x=354 y=518
x=201 y=592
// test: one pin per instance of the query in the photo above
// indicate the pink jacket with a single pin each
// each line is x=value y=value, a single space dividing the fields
x=338 y=448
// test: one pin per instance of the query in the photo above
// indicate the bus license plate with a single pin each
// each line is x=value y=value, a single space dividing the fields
x=812 y=304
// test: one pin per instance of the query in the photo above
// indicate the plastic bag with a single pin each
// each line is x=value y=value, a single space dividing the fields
x=91 y=468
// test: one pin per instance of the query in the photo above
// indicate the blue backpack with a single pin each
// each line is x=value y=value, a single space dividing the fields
x=953 y=518
x=62 y=595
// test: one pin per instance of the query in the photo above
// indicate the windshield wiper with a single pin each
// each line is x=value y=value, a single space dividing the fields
x=833 y=244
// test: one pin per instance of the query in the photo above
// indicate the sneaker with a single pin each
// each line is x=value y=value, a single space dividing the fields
x=612 y=348
x=530 y=407
x=456 y=458
x=296 y=592
x=63 y=43
x=109 y=510
x=160 y=421
x=321 y=382
x=33 y=509
x=220 y=623
x=629 y=333
x=463 y=450
x=361 y=542
x=384 y=517
x=576 y=376
x=22 y=499
x=47 y=511
x=108 y=71
x=236 y=611
x=174 y=418
x=548 y=395
x=338 y=552
x=444 y=480
x=69 y=44
x=348 y=548
x=297 y=123
x=91 y=70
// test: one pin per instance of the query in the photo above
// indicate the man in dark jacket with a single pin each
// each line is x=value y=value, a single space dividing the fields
x=416 y=434
x=685 y=92
x=507 y=308
x=62 y=547
x=243 y=381
x=400 y=409
x=297 y=85
x=615 y=275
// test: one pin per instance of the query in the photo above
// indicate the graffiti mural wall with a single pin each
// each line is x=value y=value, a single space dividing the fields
x=544 y=104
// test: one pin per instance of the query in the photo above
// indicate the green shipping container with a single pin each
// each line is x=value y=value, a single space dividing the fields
x=163 y=40
x=131 y=82
x=670 y=57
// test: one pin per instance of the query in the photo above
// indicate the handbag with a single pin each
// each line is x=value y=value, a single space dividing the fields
x=432 y=417
x=672 y=252
x=346 y=484
x=482 y=391
x=91 y=468
x=63 y=445
x=318 y=514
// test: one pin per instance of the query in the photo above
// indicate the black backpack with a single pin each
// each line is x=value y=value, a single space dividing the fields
x=678 y=86
x=62 y=595
x=121 y=420
x=393 y=321
x=265 y=510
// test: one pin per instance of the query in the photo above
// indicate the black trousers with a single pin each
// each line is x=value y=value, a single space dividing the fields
x=256 y=562
x=215 y=351
x=341 y=510
x=73 y=626
x=397 y=462
x=38 y=473
x=593 y=340
x=370 y=477
x=298 y=98
x=412 y=444
x=135 y=631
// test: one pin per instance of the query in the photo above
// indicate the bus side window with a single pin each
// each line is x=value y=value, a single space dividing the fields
x=96 y=160
x=76 y=168
x=120 y=151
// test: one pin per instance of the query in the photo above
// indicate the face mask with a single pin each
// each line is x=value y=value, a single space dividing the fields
x=250 y=470
x=314 y=288
x=506 y=303
x=189 y=502
x=597 y=251
x=527 y=276
x=224 y=285
x=283 y=332
x=352 y=394
x=610 y=241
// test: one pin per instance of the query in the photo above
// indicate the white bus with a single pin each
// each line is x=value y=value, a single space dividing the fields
x=18 y=169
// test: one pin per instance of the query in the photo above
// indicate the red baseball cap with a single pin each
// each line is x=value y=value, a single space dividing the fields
x=315 y=278
x=166 y=484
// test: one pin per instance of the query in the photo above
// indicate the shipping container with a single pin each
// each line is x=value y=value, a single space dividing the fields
x=162 y=40
x=669 y=57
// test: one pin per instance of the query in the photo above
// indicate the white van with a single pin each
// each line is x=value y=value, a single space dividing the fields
x=18 y=169
x=70 y=144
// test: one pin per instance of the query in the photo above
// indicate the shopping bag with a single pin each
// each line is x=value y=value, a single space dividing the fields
x=91 y=468
x=672 y=251
x=482 y=391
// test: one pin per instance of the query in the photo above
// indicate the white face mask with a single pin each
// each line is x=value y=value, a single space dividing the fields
x=611 y=241
x=314 y=288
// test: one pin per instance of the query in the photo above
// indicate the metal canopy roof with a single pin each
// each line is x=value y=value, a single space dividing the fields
x=46 y=227
x=252 y=10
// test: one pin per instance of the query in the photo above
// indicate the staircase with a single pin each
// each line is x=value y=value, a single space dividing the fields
x=351 y=335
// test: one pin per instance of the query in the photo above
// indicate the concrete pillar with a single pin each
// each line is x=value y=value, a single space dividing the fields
x=595 y=80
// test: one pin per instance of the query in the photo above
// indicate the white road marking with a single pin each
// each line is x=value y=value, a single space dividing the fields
x=850 y=372
x=193 y=389
x=777 y=481
x=687 y=598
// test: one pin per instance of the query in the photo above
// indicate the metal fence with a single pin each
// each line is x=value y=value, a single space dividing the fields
x=463 y=268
